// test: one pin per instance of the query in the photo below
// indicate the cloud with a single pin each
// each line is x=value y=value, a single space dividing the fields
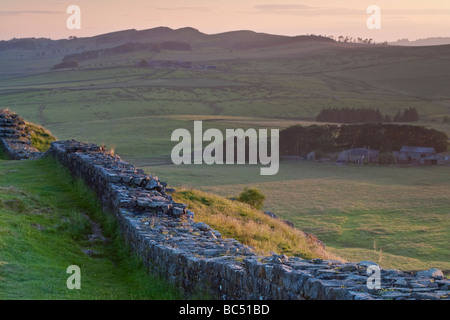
x=282 y=7
x=21 y=12
x=416 y=12
x=199 y=9
x=299 y=9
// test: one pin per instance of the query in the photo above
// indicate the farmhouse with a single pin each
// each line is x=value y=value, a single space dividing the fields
x=359 y=155
x=419 y=156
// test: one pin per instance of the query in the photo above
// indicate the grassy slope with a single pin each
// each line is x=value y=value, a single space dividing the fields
x=240 y=221
x=41 y=138
x=43 y=230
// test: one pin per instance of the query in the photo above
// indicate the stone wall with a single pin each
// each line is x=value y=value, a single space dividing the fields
x=14 y=139
x=196 y=258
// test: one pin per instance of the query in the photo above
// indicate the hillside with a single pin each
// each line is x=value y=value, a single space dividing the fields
x=436 y=41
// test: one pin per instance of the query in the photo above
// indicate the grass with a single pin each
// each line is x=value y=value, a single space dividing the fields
x=41 y=138
x=44 y=228
x=2 y=154
x=234 y=219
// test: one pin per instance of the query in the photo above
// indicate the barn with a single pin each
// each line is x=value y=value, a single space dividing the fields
x=419 y=156
x=358 y=155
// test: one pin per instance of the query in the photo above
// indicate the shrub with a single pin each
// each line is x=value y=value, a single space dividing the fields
x=252 y=197
x=143 y=63
x=66 y=65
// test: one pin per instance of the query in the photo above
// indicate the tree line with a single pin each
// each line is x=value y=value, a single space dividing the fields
x=358 y=115
x=300 y=140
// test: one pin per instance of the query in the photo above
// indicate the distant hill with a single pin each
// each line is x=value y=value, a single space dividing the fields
x=241 y=40
x=437 y=41
x=228 y=40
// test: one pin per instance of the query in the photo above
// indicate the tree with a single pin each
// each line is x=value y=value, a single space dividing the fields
x=410 y=115
x=143 y=63
x=386 y=158
x=252 y=197
x=66 y=64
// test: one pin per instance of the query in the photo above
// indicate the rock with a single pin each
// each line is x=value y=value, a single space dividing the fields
x=349 y=267
x=289 y=223
x=424 y=296
x=210 y=234
x=217 y=234
x=367 y=264
x=431 y=273
x=270 y=214
x=90 y=252
x=278 y=258
x=356 y=278
x=202 y=226
x=190 y=215
x=177 y=212
x=401 y=283
x=152 y=184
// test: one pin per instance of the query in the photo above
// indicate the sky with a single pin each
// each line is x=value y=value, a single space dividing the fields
x=400 y=19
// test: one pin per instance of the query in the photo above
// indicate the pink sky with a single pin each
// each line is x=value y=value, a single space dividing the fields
x=413 y=19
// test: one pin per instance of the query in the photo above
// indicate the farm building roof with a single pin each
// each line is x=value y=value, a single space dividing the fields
x=424 y=150
x=362 y=152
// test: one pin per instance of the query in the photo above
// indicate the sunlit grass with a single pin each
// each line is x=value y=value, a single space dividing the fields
x=234 y=219
x=41 y=138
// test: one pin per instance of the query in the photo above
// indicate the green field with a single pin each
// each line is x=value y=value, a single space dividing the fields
x=396 y=216
x=45 y=221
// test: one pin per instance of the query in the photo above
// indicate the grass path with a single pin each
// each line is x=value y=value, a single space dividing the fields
x=46 y=222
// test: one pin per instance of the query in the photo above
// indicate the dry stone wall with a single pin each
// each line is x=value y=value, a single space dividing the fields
x=196 y=258
x=14 y=139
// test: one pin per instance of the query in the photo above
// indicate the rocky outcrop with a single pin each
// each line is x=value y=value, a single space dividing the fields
x=195 y=257
x=14 y=139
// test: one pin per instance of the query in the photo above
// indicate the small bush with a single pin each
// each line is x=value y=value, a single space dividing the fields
x=69 y=64
x=252 y=197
